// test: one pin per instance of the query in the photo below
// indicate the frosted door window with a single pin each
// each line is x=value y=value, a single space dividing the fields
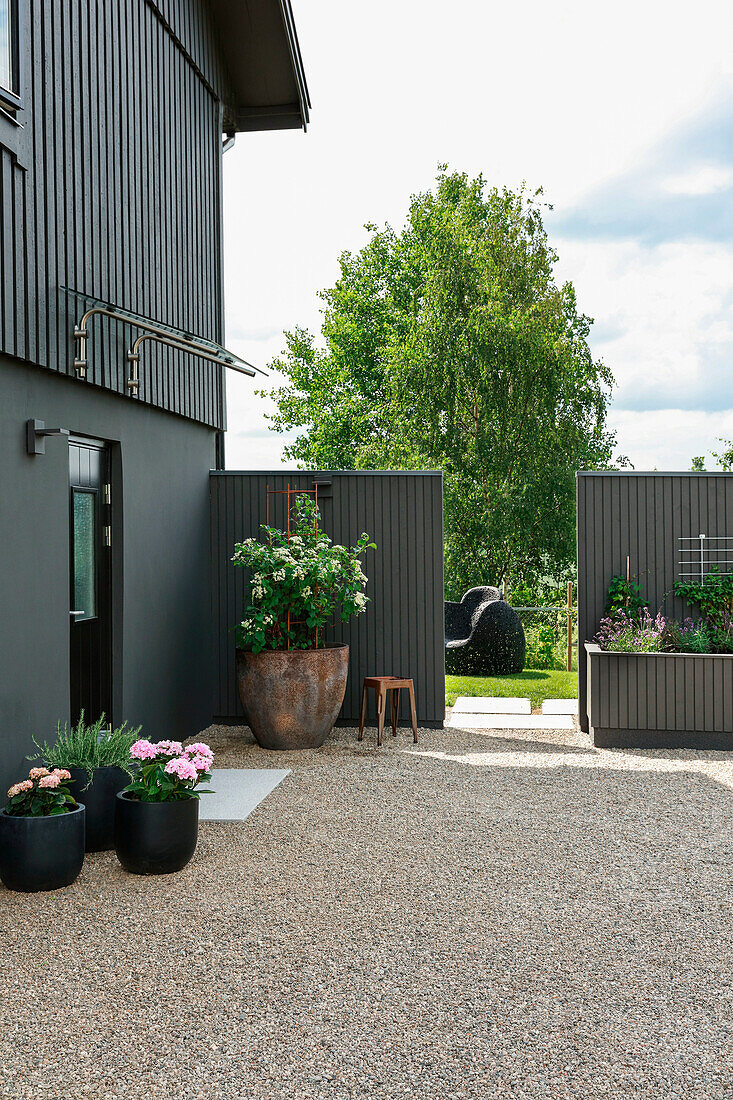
x=85 y=548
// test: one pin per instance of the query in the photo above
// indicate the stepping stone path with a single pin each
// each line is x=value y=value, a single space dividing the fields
x=560 y=706
x=465 y=704
x=492 y=713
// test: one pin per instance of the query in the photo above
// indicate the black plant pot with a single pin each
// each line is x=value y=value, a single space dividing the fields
x=41 y=853
x=155 y=838
x=99 y=799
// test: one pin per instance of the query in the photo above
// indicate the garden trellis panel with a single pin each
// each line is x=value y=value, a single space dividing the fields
x=402 y=631
x=645 y=517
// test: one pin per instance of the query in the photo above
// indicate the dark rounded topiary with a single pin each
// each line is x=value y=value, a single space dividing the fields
x=496 y=645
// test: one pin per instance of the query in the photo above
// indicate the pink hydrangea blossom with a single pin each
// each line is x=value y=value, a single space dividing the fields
x=19 y=788
x=169 y=748
x=182 y=767
x=201 y=763
x=38 y=773
x=200 y=749
x=49 y=781
x=61 y=773
x=143 y=750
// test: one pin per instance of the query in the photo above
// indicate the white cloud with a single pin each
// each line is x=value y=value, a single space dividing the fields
x=667 y=439
x=707 y=179
x=559 y=95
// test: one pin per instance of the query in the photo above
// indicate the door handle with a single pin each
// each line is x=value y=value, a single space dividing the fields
x=77 y=612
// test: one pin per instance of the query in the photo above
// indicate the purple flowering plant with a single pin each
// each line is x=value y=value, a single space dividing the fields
x=168 y=772
x=628 y=631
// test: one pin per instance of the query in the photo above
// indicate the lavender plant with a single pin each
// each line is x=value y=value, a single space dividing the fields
x=632 y=632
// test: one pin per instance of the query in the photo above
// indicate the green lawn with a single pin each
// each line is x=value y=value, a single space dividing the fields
x=536 y=683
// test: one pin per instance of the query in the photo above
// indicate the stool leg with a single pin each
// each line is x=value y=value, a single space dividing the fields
x=413 y=715
x=363 y=712
x=381 y=707
x=395 y=709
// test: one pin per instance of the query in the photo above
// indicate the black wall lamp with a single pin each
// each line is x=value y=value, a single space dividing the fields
x=35 y=435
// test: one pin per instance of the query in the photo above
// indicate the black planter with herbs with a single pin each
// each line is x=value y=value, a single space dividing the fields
x=155 y=838
x=41 y=853
x=99 y=799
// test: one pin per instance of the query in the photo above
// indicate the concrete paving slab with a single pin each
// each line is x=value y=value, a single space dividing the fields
x=490 y=704
x=560 y=706
x=238 y=791
x=510 y=722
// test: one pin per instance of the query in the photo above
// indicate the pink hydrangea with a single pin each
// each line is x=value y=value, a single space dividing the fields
x=49 y=781
x=61 y=773
x=201 y=763
x=182 y=767
x=201 y=750
x=19 y=788
x=38 y=773
x=143 y=750
x=169 y=748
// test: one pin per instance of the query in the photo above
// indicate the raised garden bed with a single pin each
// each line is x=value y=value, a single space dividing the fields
x=660 y=700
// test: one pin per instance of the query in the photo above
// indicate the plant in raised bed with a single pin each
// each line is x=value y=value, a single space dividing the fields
x=624 y=594
x=714 y=596
x=629 y=632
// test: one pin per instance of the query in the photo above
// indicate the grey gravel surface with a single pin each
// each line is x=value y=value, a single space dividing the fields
x=478 y=916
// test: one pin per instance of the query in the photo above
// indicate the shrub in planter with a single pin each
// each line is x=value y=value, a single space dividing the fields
x=290 y=682
x=41 y=833
x=99 y=767
x=157 y=815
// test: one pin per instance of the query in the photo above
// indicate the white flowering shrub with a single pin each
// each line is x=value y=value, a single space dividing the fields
x=305 y=575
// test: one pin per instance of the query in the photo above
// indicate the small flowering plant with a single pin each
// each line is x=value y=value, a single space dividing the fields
x=166 y=772
x=299 y=581
x=629 y=631
x=43 y=794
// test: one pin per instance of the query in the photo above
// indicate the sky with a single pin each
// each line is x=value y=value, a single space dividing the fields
x=623 y=114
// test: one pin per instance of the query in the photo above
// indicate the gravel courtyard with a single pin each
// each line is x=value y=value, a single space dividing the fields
x=475 y=916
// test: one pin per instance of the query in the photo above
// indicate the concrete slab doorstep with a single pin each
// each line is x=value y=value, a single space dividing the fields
x=486 y=704
x=510 y=722
x=238 y=791
x=560 y=706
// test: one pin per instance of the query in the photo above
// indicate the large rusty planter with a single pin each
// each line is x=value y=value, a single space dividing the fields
x=291 y=698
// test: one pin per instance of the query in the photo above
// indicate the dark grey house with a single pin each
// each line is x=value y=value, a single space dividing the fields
x=113 y=119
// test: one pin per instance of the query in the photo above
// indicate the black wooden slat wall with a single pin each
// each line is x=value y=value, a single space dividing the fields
x=112 y=189
x=644 y=516
x=402 y=631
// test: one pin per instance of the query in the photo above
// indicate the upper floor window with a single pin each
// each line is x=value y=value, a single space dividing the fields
x=9 y=68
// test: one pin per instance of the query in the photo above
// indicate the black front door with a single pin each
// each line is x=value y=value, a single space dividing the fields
x=90 y=582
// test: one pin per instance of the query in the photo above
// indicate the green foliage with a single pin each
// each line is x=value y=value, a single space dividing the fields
x=697 y=464
x=714 y=596
x=725 y=457
x=544 y=588
x=535 y=683
x=88 y=747
x=686 y=637
x=542 y=647
x=624 y=594
x=153 y=784
x=301 y=574
x=449 y=345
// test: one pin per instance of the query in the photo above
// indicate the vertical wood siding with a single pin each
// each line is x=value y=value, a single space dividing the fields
x=644 y=516
x=401 y=633
x=675 y=692
x=114 y=191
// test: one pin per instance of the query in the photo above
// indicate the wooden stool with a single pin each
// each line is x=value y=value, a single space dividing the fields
x=383 y=684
